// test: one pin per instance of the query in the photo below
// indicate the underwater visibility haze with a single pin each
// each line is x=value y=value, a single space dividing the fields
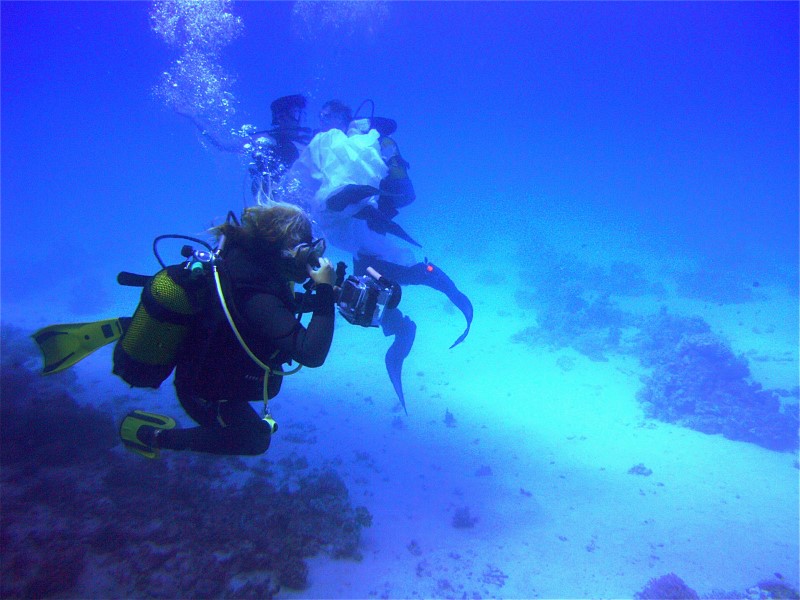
x=591 y=389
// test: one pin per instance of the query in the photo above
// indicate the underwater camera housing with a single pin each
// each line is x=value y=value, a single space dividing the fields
x=363 y=299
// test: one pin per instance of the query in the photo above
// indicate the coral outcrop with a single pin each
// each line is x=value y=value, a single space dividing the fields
x=83 y=518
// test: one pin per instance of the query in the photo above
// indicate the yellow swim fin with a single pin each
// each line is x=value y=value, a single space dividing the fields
x=138 y=431
x=64 y=345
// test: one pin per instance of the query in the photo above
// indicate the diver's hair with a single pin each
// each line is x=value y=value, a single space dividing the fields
x=285 y=104
x=267 y=229
x=340 y=108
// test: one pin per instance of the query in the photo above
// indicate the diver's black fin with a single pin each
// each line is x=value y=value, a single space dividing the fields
x=64 y=345
x=381 y=223
x=404 y=331
x=350 y=194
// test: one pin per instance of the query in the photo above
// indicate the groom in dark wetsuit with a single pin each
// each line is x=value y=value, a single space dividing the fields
x=271 y=151
x=274 y=150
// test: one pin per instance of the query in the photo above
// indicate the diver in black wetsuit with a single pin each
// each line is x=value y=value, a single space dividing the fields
x=215 y=379
x=273 y=151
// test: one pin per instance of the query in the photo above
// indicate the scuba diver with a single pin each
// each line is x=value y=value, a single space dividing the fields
x=353 y=180
x=271 y=151
x=334 y=114
x=227 y=321
x=395 y=190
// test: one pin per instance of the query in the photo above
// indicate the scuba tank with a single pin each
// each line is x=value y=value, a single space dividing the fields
x=147 y=352
x=398 y=191
x=398 y=166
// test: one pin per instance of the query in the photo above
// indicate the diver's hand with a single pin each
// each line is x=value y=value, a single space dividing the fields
x=325 y=273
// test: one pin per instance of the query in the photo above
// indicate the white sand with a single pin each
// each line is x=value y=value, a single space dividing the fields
x=720 y=514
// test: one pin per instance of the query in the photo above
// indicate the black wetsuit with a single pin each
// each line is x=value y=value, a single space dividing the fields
x=215 y=379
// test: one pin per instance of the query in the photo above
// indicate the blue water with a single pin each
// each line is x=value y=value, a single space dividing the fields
x=548 y=142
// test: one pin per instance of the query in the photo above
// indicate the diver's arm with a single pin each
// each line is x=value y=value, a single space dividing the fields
x=275 y=323
x=234 y=145
x=313 y=343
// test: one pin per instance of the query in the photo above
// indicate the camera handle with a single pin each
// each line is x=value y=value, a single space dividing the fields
x=341 y=271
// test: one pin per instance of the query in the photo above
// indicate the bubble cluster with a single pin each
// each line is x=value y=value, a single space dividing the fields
x=196 y=84
x=314 y=18
x=207 y=25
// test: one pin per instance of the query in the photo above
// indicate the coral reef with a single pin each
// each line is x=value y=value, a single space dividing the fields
x=666 y=587
x=696 y=379
x=40 y=421
x=660 y=334
x=773 y=589
x=463 y=519
x=558 y=270
x=573 y=302
x=83 y=519
x=698 y=382
x=567 y=318
x=672 y=587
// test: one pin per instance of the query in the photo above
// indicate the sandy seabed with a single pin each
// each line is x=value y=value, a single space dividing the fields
x=523 y=471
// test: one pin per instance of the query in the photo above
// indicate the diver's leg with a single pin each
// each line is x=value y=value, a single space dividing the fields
x=225 y=428
x=404 y=330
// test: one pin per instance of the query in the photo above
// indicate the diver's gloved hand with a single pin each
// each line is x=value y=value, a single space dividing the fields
x=324 y=273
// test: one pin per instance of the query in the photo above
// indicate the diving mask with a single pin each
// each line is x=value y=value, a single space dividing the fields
x=305 y=254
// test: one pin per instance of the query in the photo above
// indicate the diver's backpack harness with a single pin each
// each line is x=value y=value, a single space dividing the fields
x=147 y=352
x=267 y=369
